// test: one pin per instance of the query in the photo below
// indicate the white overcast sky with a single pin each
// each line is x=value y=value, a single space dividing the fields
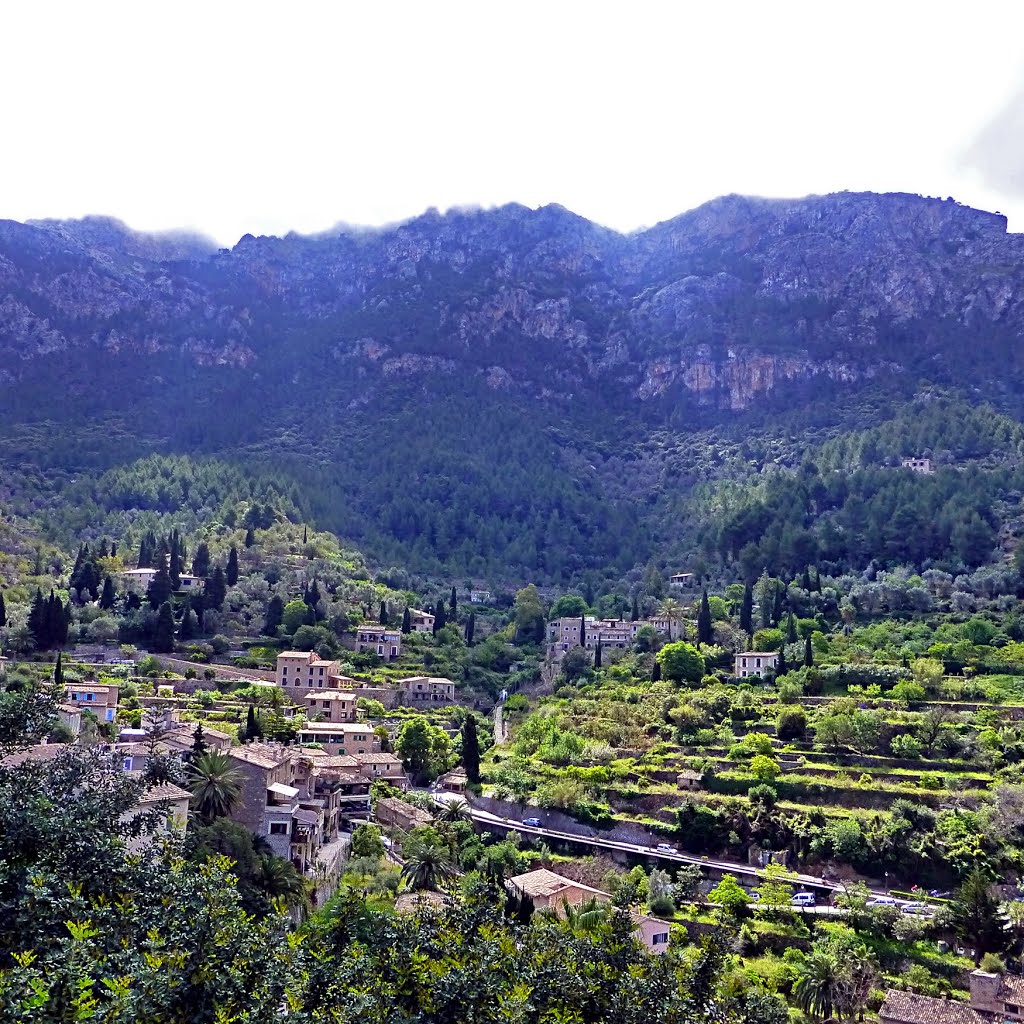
x=232 y=117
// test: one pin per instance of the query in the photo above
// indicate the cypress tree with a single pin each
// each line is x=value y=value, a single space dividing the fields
x=216 y=589
x=470 y=628
x=275 y=615
x=634 y=614
x=304 y=535
x=597 y=654
x=107 y=596
x=66 y=622
x=250 y=537
x=747 y=610
x=808 y=653
x=187 y=628
x=791 y=637
x=313 y=598
x=781 y=668
x=55 y=629
x=406 y=622
x=132 y=601
x=199 y=745
x=37 y=620
x=656 y=671
x=3 y=611
x=583 y=631
x=58 y=672
x=113 y=549
x=174 y=565
x=817 y=580
x=163 y=633
x=704 y=633
x=201 y=561
x=440 y=621
x=471 y=749
x=779 y=605
x=160 y=587
x=453 y=607
x=80 y=558
x=232 y=575
x=383 y=617
x=805 y=579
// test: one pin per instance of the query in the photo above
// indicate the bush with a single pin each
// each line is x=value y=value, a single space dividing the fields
x=908 y=691
x=905 y=746
x=662 y=906
x=764 y=796
x=791 y=724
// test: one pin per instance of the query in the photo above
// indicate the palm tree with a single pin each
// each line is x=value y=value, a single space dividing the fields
x=453 y=810
x=817 y=984
x=1013 y=922
x=214 y=784
x=426 y=866
x=672 y=610
x=279 y=879
x=585 y=918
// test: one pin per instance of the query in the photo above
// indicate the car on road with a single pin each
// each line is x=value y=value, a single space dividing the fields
x=914 y=907
x=881 y=901
x=804 y=899
x=533 y=822
x=665 y=848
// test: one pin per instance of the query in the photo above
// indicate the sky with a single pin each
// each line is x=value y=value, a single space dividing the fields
x=229 y=118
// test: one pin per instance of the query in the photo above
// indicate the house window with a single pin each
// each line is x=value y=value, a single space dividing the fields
x=279 y=828
x=380 y=649
x=660 y=939
x=326 y=703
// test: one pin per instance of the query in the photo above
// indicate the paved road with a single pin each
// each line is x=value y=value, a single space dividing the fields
x=500 y=738
x=733 y=867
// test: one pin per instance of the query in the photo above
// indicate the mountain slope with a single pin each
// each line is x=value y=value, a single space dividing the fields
x=476 y=389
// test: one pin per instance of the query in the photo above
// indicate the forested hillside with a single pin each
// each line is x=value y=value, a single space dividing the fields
x=514 y=393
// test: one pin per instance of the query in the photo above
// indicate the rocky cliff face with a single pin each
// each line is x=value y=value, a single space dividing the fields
x=736 y=300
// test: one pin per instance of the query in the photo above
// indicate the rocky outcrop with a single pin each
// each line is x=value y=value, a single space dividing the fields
x=726 y=304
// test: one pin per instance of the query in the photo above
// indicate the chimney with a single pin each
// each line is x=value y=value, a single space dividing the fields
x=985 y=992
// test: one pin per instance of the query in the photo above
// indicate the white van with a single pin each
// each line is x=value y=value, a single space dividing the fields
x=804 y=899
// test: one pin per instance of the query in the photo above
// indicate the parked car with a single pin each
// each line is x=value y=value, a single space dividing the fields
x=881 y=901
x=533 y=822
x=804 y=899
x=665 y=848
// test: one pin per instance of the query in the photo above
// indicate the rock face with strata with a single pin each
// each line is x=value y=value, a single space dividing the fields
x=722 y=306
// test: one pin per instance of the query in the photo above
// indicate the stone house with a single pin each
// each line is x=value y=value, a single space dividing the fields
x=426 y=689
x=479 y=596
x=688 y=779
x=651 y=932
x=918 y=465
x=331 y=706
x=549 y=891
x=755 y=663
x=390 y=811
x=341 y=737
x=100 y=700
x=999 y=995
x=71 y=716
x=420 y=621
x=383 y=641
x=140 y=579
x=383 y=766
x=910 y=1008
x=620 y=634
x=301 y=671
x=173 y=800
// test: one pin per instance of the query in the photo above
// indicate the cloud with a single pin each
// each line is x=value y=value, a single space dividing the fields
x=996 y=154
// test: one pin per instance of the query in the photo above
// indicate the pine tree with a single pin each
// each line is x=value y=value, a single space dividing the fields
x=160 y=587
x=583 y=631
x=471 y=749
x=383 y=617
x=163 y=633
x=250 y=537
x=634 y=614
x=704 y=631
x=406 y=622
x=747 y=610
x=58 y=672
x=201 y=561
x=597 y=654
x=440 y=621
x=275 y=615
x=791 y=637
x=453 y=607
x=3 y=611
x=470 y=628
x=232 y=574
x=216 y=589
x=107 y=596
x=808 y=653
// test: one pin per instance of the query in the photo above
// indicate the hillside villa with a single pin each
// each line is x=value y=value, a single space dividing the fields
x=302 y=671
x=994 y=998
x=918 y=465
x=100 y=700
x=140 y=579
x=331 y=706
x=341 y=737
x=612 y=633
x=755 y=663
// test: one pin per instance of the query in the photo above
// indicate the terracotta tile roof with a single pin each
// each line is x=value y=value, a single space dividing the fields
x=263 y=755
x=377 y=759
x=40 y=752
x=909 y=1008
x=165 y=791
x=542 y=882
x=1012 y=988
